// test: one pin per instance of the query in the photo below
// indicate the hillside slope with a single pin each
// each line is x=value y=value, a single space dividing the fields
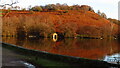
x=71 y=22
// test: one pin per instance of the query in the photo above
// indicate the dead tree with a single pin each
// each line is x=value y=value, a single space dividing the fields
x=11 y=4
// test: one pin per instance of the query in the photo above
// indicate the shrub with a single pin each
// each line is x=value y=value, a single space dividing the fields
x=9 y=9
x=114 y=21
x=20 y=31
x=23 y=9
x=36 y=8
x=55 y=7
x=51 y=7
x=103 y=15
x=39 y=26
x=32 y=12
x=65 y=11
x=99 y=13
x=68 y=29
x=23 y=26
x=75 y=7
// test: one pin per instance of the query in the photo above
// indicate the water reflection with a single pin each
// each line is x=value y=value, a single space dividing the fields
x=86 y=48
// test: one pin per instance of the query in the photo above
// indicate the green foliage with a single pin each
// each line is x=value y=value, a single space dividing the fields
x=86 y=8
x=65 y=11
x=36 y=8
x=32 y=12
x=55 y=7
x=75 y=7
x=99 y=13
x=9 y=9
x=23 y=9
x=51 y=7
x=103 y=15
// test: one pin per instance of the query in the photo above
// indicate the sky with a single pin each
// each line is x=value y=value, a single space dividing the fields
x=109 y=7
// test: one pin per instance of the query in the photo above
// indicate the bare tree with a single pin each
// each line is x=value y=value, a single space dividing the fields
x=99 y=13
x=11 y=4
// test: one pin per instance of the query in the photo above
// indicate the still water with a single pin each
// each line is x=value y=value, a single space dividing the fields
x=97 y=49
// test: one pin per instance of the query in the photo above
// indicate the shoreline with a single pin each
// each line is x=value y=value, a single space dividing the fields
x=58 y=58
x=12 y=59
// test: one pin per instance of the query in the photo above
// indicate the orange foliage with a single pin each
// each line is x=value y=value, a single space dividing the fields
x=87 y=22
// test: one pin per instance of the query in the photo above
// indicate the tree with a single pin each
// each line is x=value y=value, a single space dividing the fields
x=58 y=5
x=51 y=7
x=23 y=9
x=91 y=9
x=68 y=29
x=99 y=13
x=9 y=9
x=29 y=7
x=10 y=4
x=64 y=7
x=36 y=8
x=75 y=7
x=103 y=15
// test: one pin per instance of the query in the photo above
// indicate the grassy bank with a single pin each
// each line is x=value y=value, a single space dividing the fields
x=44 y=59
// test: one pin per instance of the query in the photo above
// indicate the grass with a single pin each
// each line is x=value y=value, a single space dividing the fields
x=1 y=15
x=44 y=62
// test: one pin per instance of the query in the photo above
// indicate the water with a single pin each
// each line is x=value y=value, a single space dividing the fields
x=86 y=48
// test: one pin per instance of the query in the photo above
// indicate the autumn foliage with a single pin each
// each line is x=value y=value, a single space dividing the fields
x=69 y=23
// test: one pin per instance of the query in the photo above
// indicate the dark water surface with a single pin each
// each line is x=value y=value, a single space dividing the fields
x=106 y=50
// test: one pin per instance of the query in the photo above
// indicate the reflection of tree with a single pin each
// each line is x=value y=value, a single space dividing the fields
x=9 y=40
x=93 y=49
x=87 y=48
x=20 y=41
x=39 y=44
